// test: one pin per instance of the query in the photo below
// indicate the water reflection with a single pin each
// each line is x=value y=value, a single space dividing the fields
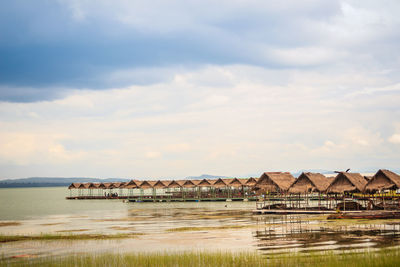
x=295 y=235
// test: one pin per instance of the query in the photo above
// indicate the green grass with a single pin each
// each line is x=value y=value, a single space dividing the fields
x=386 y=257
x=14 y=238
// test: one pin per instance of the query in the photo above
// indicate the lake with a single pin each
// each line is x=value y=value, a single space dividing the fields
x=175 y=226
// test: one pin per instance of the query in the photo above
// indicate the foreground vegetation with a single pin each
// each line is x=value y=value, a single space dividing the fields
x=14 y=238
x=386 y=257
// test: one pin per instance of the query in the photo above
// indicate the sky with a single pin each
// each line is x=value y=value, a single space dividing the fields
x=169 y=89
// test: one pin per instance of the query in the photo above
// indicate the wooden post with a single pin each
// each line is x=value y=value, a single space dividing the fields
x=344 y=202
x=307 y=200
x=383 y=201
x=298 y=201
x=319 y=200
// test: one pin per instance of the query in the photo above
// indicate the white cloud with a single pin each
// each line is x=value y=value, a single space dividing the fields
x=306 y=56
x=183 y=126
x=395 y=139
x=153 y=154
x=27 y=148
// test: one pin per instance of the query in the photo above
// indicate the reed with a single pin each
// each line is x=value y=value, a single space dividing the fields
x=385 y=257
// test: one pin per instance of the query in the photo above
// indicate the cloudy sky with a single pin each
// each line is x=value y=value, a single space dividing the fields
x=150 y=89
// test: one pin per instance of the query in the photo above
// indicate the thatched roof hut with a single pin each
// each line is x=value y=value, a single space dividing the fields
x=251 y=182
x=101 y=186
x=204 y=182
x=147 y=184
x=236 y=182
x=190 y=183
x=74 y=186
x=274 y=182
x=347 y=182
x=160 y=184
x=383 y=180
x=176 y=183
x=132 y=184
x=220 y=183
x=93 y=186
x=85 y=185
x=310 y=182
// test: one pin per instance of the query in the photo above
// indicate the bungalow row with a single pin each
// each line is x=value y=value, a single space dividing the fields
x=344 y=182
x=268 y=183
x=206 y=188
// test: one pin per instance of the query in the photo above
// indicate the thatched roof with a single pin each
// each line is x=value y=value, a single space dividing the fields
x=236 y=182
x=101 y=185
x=118 y=185
x=383 y=179
x=86 y=185
x=93 y=186
x=160 y=184
x=251 y=181
x=74 y=185
x=191 y=183
x=275 y=181
x=204 y=182
x=219 y=183
x=347 y=182
x=310 y=182
x=132 y=184
x=147 y=184
x=176 y=183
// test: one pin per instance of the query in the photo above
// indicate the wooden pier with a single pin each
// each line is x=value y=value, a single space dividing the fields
x=165 y=198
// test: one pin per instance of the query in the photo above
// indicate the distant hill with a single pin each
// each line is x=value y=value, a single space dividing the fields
x=50 y=181
x=205 y=176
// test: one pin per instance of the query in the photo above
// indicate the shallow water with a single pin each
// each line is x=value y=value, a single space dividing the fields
x=45 y=210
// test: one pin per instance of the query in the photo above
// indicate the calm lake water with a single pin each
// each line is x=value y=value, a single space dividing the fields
x=214 y=226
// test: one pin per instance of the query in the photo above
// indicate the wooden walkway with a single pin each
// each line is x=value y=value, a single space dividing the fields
x=164 y=198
